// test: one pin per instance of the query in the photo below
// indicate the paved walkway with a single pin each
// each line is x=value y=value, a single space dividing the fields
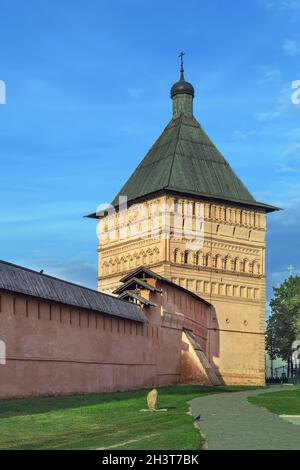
x=230 y=422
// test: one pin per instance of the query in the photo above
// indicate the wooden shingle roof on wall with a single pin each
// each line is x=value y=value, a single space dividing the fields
x=144 y=273
x=17 y=279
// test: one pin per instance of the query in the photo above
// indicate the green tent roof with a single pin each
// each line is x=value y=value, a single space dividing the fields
x=184 y=160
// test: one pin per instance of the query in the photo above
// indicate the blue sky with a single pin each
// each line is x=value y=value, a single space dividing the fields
x=88 y=94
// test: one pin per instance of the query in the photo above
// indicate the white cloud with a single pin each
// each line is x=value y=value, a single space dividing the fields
x=268 y=73
x=291 y=47
x=281 y=4
x=294 y=134
x=291 y=160
x=293 y=151
x=290 y=4
x=268 y=115
x=242 y=135
x=286 y=10
x=281 y=107
x=289 y=200
x=135 y=92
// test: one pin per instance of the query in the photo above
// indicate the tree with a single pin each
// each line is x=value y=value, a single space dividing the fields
x=284 y=323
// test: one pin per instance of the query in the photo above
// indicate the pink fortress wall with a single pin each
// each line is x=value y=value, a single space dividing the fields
x=177 y=310
x=58 y=349
x=53 y=349
x=196 y=313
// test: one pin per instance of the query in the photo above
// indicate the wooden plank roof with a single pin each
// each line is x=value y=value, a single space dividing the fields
x=21 y=280
x=133 y=283
x=136 y=296
x=184 y=160
x=143 y=273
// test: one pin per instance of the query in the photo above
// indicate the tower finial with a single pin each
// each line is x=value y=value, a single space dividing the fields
x=181 y=65
x=182 y=94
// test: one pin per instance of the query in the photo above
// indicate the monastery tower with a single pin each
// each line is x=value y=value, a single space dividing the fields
x=190 y=219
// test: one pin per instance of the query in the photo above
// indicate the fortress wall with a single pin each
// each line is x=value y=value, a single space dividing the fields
x=195 y=313
x=56 y=349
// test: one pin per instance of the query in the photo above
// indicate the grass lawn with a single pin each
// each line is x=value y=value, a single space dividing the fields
x=285 y=402
x=103 y=420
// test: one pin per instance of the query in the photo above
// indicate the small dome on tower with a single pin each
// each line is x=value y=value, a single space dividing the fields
x=182 y=87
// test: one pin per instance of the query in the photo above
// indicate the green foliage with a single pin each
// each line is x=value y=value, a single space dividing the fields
x=283 y=325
